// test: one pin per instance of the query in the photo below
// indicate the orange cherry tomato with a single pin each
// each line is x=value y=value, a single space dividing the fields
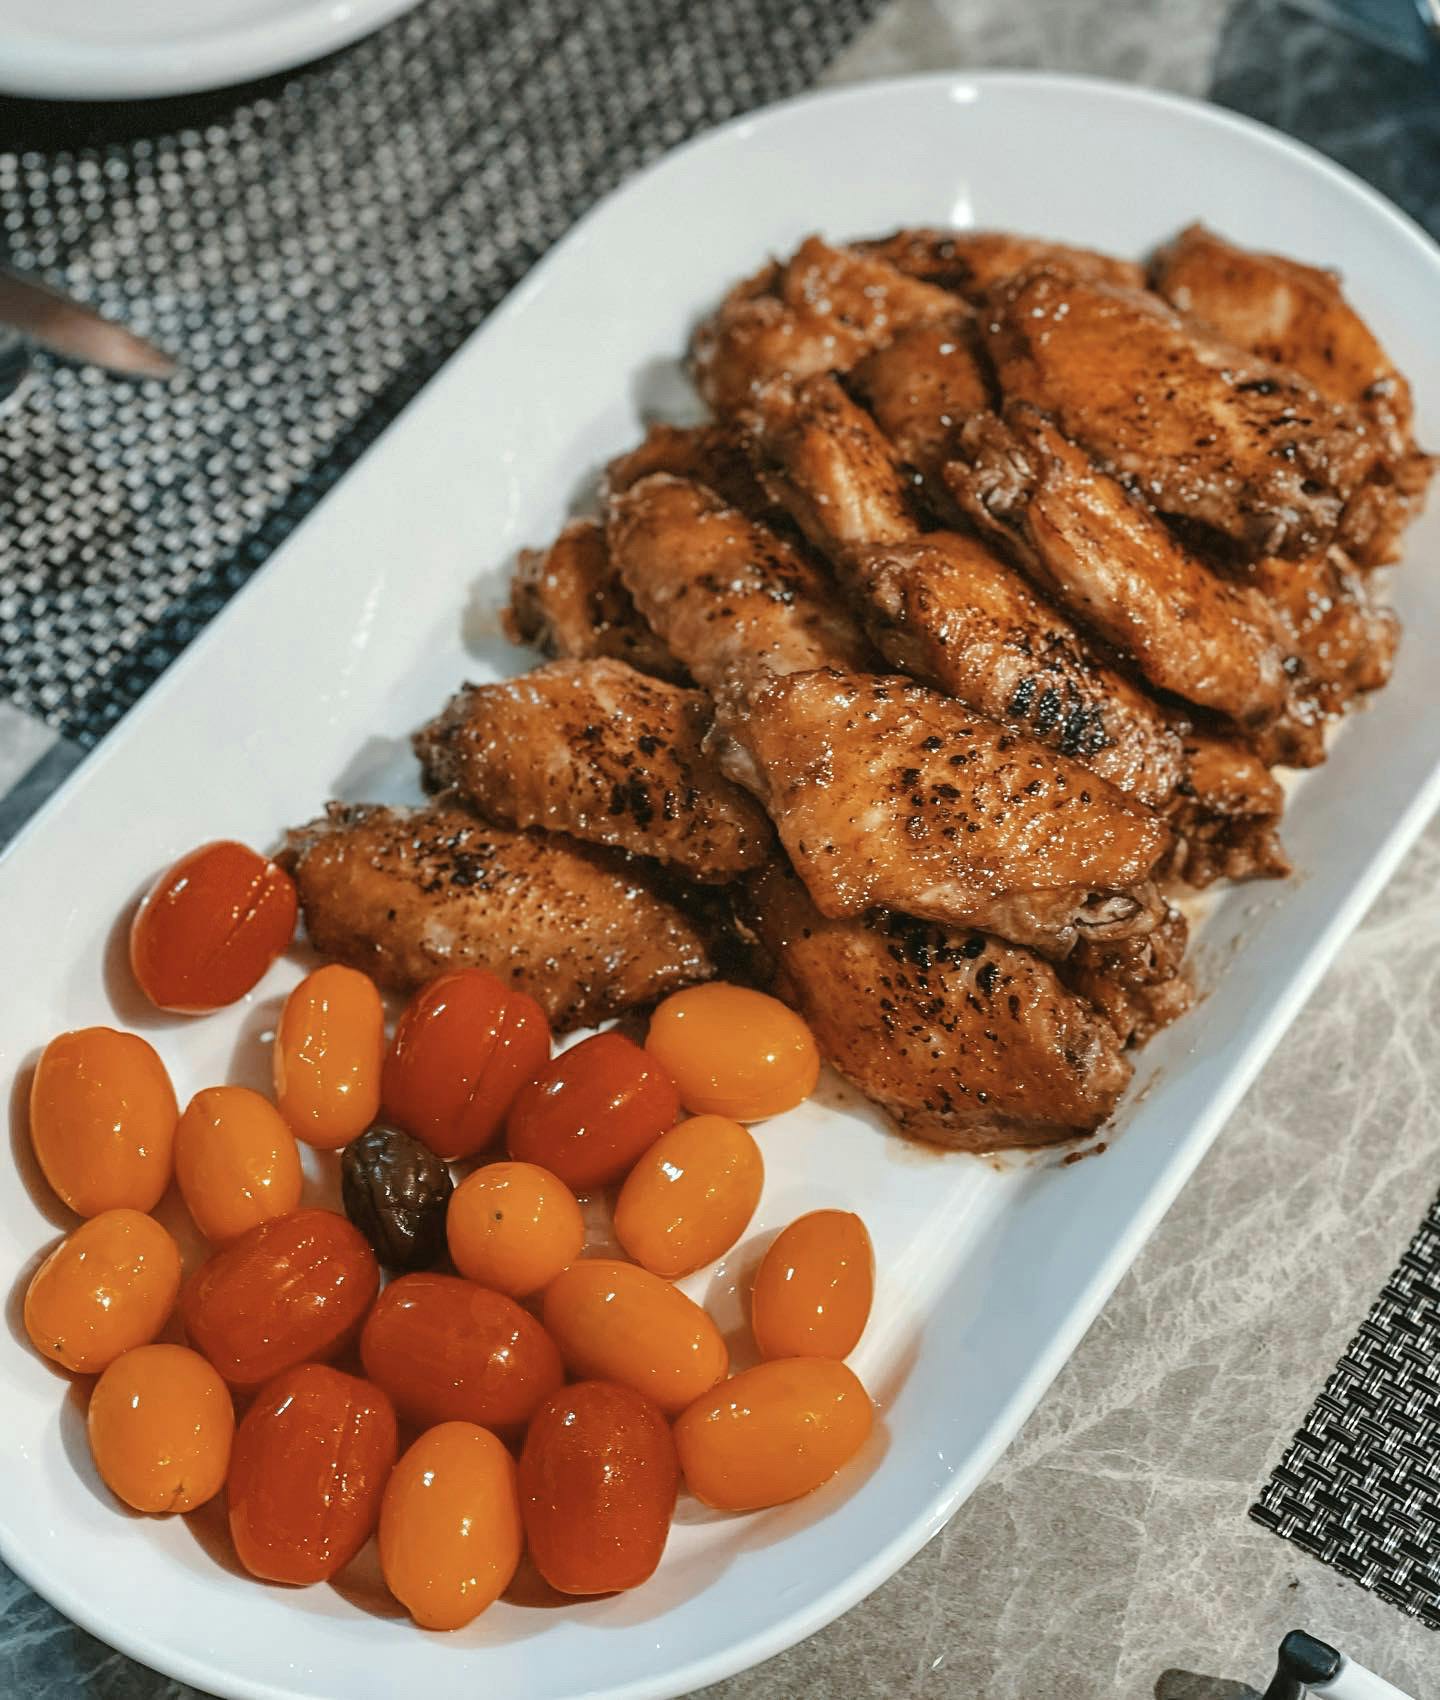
x=773 y=1433
x=593 y=1111
x=450 y=1531
x=445 y=1349
x=329 y=1050
x=598 y=1479
x=812 y=1292
x=513 y=1227
x=293 y=1288
x=236 y=1162
x=102 y=1120
x=690 y=1196
x=734 y=1052
x=210 y=926
x=160 y=1424
x=615 y=1322
x=464 y=1047
x=310 y=1462
x=110 y=1286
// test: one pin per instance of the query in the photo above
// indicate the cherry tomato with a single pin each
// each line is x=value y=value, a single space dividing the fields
x=210 y=926
x=614 y=1322
x=464 y=1047
x=110 y=1286
x=598 y=1478
x=329 y=1050
x=311 y=1459
x=450 y=1533
x=734 y=1052
x=445 y=1349
x=593 y=1111
x=690 y=1196
x=235 y=1161
x=514 y=1227
x=292 y=1288
x=102 y=1120
x=812 y=1292
x=160 y=1427
x=773 y=1433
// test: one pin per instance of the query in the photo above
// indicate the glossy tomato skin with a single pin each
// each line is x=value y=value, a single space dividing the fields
x=513 y=1227
x=102 y=1120
x=292 y=1289
x=690 y=1196
x=772 y=1433
x=309 y=1465
x=161 y=1424
x=106 y=1288
x=591 y=1113
x=329 y=1051
x=463 y=1048
x=734 y=1052
x=446 y=1350
x=236 y=1162
x=615 y=1322
x=812 y=1291
x=210 y=926
x=598 y=1479
x=450 y=1530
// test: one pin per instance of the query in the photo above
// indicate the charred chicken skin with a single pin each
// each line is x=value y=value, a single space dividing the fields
x=402 y=894
x=595 y=749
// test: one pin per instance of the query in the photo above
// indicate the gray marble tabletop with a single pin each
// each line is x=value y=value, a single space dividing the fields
x=1109 y=1554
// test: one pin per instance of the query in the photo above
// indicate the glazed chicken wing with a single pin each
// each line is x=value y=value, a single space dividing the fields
x=920 y=387
x=819 y=311
x=595 y=749
x=971 y=262
x=1138 y=984
x=724 y=592
x=567 y=600
x=719 y=456
x=1117 y=568
x=949 y=612
x=833 y=469
x=1208 y=432
x=404 y=893
x=967 y=1041
x=1225 y=813
x=886 y=793
x=1297 y=316
x=1342 y=636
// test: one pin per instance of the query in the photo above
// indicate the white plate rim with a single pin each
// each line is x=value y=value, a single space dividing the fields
x=47 y=66
x=882 y=1564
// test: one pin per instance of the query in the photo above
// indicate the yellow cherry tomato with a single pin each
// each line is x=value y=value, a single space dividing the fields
x=690 y=1196
x=773 y=1433
x=236 y=1162
x=329 y=1051
x=160 y=1424
x=812 y=1292
x=110 y=1286
x=734 y=1052
x=513 y=1227
x=450 y=1530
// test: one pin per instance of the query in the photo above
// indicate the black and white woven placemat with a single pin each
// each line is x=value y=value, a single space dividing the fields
x=1359 y=1485
x=313 y=250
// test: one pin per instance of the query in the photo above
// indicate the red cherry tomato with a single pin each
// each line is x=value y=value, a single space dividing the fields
x=464 y=1047
x=210 y=926
x=598 y=1479
x=446 y=1350
x=309 y=1465
x=293 y=1288
x=592 y=1112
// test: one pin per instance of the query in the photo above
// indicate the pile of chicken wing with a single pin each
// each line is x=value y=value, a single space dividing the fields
x=919 y=682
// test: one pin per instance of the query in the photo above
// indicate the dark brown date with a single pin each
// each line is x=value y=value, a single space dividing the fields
x=396 y=1192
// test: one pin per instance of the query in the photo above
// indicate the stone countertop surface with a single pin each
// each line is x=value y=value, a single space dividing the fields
x=1109 y=1555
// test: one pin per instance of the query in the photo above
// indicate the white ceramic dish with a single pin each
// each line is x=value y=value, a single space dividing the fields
x=307 y=686
x=137 y=49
